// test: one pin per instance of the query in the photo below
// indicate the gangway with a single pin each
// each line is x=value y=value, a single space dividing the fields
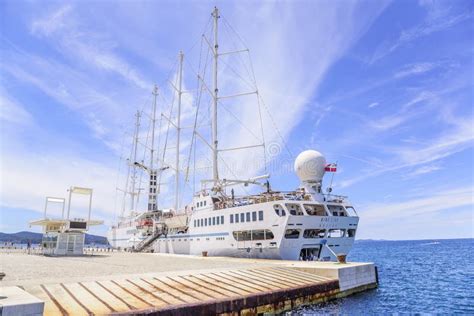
x=144 y=244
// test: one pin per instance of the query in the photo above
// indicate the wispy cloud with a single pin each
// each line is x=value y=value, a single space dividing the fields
x=439 y=17
x=13 y=112
x=458 y=139
x=75 y=39
x=414 y=69
x=373 y=105
x=433 y=201
x=424 y=170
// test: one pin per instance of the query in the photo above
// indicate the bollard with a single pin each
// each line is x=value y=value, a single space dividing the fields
x=204 y=253
x=341 y=258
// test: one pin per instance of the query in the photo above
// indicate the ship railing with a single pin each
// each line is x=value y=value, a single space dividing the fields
x=335 y=198
x=261 y=198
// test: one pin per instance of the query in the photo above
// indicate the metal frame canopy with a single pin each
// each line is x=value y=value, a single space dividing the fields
x=64 y=223
x=83 y=191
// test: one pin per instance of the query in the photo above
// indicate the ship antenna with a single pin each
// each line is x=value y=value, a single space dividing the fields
x=215 y=174
x=178 y=129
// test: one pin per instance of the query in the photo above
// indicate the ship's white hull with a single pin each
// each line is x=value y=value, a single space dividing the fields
x=124 y=237
x=220 y=240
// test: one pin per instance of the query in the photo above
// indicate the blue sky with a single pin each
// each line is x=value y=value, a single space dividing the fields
x=383 y=88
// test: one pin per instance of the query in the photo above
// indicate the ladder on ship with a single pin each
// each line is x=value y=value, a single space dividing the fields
x=146 y=243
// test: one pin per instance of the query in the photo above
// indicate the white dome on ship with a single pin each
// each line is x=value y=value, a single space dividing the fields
x=310 y=165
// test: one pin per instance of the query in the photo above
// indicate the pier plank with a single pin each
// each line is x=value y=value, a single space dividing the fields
x=94 y=305
x=266 y=278
x=278 y=276
x=257 y=285
x=165 y=290
x=133 y=301
x=232 y=288
x=197 y=288
x=64 y=300
x=140 y=292
x=172 y=291
x=224 y=292
x=117 y=304
x=50 y=308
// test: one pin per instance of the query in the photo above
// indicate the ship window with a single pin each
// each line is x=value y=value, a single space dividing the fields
x=245 y=235
x=242 y=217
x=194 y=223
x=205 y=222
x=314 y=233
x=204 y=203
x=315 y=209
x=218 y=220
x=294 y=209
x=236 y=218
x=231 y=218
x=351 y=233
x=336 y=210
x=336 y=233
x=222 y=219
x=279 y=210
x=213 y=221
x=210 y=221
x=247 y=217
x=351 y=211
x=254 y=216
x=260 y=215
x=242 y=235
x=198 y=222
x=292 y=234
x=258 y=234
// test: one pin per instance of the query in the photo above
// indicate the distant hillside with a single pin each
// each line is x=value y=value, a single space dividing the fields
x=35 y=238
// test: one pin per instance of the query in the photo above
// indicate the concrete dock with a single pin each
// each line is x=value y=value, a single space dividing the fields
x=124 y=283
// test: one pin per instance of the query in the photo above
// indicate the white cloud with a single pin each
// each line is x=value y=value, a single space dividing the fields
x=439 y=16
x=91 y=55
x=25 y=185
x=431 y=202
x=11 y=111
x=414 y=69
x=77 y=40
x=457 y=139
x=373 y=105
x=424 y=170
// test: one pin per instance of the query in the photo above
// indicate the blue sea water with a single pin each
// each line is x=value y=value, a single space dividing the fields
x=415 y=277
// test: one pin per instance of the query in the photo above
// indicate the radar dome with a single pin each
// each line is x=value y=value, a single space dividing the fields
x=310 y=165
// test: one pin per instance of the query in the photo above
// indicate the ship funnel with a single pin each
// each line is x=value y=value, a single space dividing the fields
x=310 y=166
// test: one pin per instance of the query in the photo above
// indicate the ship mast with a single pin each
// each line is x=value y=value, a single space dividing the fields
x=215 y=174
x=152 y=171
x=135 y=147
x=178 y=129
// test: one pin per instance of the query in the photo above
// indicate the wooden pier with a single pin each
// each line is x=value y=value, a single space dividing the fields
x=267 y=287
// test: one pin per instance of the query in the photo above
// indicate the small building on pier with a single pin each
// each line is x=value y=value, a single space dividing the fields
x=65 y=236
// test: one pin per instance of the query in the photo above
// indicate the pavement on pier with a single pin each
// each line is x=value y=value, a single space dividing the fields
x=174 y=284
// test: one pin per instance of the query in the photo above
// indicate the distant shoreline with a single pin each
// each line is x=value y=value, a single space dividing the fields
x=24 y=237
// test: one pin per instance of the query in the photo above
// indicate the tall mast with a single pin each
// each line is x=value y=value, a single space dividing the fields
x=152 y=171
x=178 y=129
x=215 y=174
x=135 y=147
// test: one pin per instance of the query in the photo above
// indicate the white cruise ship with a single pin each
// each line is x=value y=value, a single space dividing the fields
x=303 y=224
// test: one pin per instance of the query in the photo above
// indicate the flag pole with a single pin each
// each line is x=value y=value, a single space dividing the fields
x=332 y=178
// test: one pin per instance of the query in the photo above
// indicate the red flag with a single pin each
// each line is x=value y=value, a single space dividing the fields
x=331 y=167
